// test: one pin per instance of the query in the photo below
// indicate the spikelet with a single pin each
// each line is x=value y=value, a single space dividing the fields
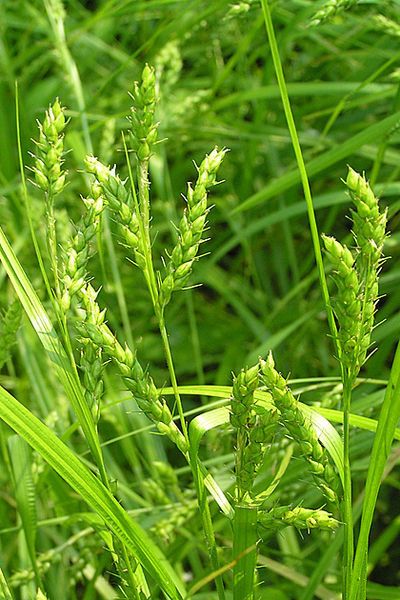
x=387 y=25
x=49 y=175
x=143 y=128
x=369 y=232
x=254 y=426
x=120 y=200
x=191 y=227
x=330 y=9
x=299 y=429
x=138 y=381
x=91 y=363
x=299 y=517
x=77 y=253
x=356 y=274
x=347 y=305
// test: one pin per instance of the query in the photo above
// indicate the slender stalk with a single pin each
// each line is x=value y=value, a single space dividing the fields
x=201 y=492
x=347 y=510
x=171 y=369
x=302 y=168
x=52 y=240
x=388 y=419
x=144 y=231
x=132 y=579
x=144 y=197
x=244 y=552
x=142 y=208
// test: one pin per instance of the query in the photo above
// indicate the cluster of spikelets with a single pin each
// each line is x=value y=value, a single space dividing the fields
x=137 y=380
x=191 y=227
x=355 y=273
x=109 y=191
x=299 y=517
x=143 y=127
x=78 y=251
x=255 y=425
x=49 y=175
x=330 y=9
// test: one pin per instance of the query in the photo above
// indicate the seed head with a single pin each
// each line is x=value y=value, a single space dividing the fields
x=49 y=175
x=191 y=227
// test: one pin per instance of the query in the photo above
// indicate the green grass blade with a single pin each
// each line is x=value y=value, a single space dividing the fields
x=244 y=552
x=385 y=433
x=52 y=345
x=324 y=161
x=376 y=591
x=21 y=465
x=335 y=416
x=202 y=481
x=92 y=491
x=4 y=589
x=327 y=434
x=303 y=175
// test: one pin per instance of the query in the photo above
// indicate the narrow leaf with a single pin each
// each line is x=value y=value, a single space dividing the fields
x=244 y=552
x=21 y=464
x=52 y=345
x=97 y=496
x=388 y=419
x=330 y=157
x=4 y=589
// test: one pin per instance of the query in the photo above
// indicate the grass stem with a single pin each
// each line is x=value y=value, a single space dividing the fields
x=301 y=165
x=347 y=490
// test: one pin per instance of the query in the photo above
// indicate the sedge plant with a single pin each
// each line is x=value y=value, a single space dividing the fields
x=351 y=315
x=82 y=342
x=270 y=430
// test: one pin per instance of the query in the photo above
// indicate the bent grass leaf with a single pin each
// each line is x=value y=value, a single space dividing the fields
x=4 y=589
x=385 y=433
x=327 y=434
x=52 y=345
x=198 y=427
x=324 y=161
x=92 y=491
x=24 y=488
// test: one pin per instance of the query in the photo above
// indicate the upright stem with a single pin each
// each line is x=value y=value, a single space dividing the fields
x=244 y=551
x=52 y=240
x=142 y=208
x=132 y=579
x=143 y=183
x=171 y=369
x=301 y=165
x=347 y=508
x=201 y=492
